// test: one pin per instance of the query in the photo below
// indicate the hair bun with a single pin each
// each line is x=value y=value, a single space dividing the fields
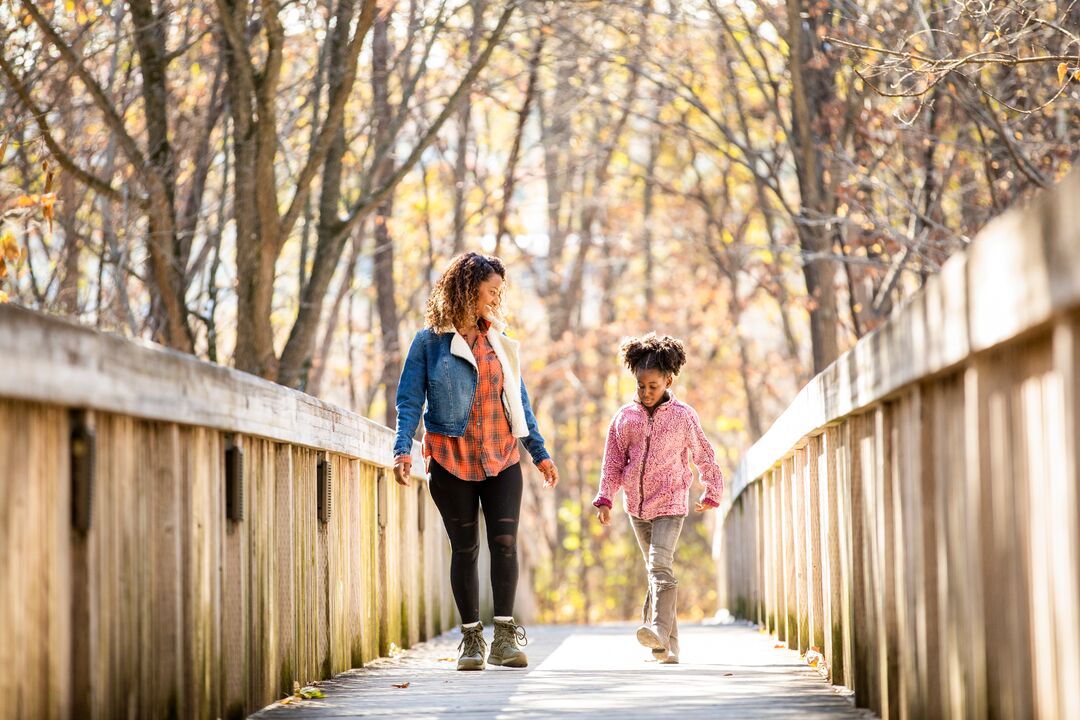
x=653 y=352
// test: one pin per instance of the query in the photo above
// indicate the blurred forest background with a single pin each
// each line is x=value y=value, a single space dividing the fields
x=275 y=185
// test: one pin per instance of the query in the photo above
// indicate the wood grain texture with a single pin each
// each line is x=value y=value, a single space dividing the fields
x=166 y=609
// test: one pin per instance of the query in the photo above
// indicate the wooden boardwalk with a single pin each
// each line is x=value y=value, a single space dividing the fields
x=730 y=671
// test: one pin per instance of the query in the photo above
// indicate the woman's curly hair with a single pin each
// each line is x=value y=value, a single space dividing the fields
x=650 y=352
x=452 y=302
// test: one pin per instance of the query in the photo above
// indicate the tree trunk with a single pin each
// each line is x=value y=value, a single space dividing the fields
x=464 y=132
x=510 y=179
x=168 y=306
x=384 y=241
x=298 y=353
x=812 y=90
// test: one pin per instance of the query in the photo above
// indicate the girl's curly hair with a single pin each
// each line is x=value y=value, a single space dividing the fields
x=452 y=302
x=650 y=352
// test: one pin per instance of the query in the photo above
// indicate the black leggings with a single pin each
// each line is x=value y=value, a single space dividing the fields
x=457 y=501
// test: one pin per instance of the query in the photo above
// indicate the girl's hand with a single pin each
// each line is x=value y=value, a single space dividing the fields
x=551 y=473
x=603 y=513
x=402 y=470
x=702 y=507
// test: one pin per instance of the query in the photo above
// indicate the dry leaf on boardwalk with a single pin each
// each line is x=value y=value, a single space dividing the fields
x=401 y=685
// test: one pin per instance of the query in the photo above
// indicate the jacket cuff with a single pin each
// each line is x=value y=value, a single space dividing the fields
x=601 y=502
x=402 y=457
x=710 y=502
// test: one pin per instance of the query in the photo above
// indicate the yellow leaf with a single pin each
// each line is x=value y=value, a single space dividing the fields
x=3 y=296
x=1063 y=70
x=70 y=6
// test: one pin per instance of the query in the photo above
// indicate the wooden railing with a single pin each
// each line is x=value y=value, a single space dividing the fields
x=914 y=513
x=148 y=570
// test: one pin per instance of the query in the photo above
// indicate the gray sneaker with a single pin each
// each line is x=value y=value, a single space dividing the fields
x=472 y=647
x=504 y=648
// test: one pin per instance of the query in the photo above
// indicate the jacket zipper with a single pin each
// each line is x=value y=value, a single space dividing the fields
x=644 y=459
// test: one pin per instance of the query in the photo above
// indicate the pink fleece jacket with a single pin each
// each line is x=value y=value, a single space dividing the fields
x=648 y=459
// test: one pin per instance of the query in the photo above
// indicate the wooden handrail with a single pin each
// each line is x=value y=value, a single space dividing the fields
x=127 y=591
x=914 y=513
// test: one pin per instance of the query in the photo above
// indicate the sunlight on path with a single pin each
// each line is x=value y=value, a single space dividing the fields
x=726 y=672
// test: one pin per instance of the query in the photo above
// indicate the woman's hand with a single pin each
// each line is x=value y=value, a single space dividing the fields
x=603 y=514
x=402 y=470
x=702 y=507
x=551 y=473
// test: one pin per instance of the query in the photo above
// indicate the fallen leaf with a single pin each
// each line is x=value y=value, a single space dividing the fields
x=728 y=674
x=401 y=685
x=779 y=646
x=308 y=692
x=447 y=659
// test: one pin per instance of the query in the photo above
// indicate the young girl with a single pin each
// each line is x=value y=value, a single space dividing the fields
x=649 y=445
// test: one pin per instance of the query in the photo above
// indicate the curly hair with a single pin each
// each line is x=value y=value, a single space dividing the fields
x=452 y=302
x=650 y=352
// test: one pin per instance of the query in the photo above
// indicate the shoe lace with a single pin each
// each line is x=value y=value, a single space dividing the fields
x=516 y=632
x=472 y=642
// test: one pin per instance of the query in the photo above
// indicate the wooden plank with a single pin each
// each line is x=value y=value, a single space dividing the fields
x=926 y=504
x=1059 y=524
x=37 y=564
x=234 y=608
x=778 y=593
x=817 y=540
x=867 y=678
x=883 y=564
x=369 y=561
x=789 y=601
x=769 y=562
x=837 y=499
x=286 y=600
x=798 y=482
x=201 y=552
x=761 y=568
x=967 y=540
x=910 y=575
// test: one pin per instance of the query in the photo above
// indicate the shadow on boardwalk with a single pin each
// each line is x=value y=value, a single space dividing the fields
x=727 y=672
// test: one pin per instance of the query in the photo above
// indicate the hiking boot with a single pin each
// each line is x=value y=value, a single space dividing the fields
x=472 y=647
x=504 y=648
x=646 y=635
x=669 y=658
x=659 y=654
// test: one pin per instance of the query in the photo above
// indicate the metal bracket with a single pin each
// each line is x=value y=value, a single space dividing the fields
x=421 y=514
x=324 y=472
x=83 y=467
x=234 y=479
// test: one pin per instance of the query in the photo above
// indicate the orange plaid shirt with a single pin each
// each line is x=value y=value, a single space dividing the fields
x=488 y=446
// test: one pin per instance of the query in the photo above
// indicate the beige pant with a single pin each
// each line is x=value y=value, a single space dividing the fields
x=657 y=539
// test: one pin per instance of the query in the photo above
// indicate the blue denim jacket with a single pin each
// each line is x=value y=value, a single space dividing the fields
x=447 y=384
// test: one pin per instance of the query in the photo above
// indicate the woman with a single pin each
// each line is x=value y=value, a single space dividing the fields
x=469 y=374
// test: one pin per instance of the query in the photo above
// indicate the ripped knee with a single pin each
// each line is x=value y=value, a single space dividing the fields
x=470 y=552
x=505 y=544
